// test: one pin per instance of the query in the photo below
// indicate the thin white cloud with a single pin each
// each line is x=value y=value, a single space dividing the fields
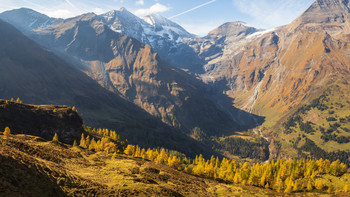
x=70 y=4
x=192 y=9
x=140 y=2
x=156 y=8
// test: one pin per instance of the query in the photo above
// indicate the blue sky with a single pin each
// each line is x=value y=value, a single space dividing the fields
x=197 y=16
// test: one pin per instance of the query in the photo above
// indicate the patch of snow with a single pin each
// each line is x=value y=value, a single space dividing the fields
x=260 y=33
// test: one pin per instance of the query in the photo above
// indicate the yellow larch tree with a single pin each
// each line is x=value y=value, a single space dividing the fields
x=55 y=137
x=7 y=132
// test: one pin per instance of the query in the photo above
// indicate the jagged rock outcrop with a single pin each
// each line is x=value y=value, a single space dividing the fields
x=41 y=120
x=221 y=43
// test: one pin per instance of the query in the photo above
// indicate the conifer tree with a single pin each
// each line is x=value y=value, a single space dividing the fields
x=237 y=178
x=196 y=160
x=319 y=185
x=18 y=100
x=87 y=141
x=279 y=184
x=75 y=143
x=93 y=145
x=7 y=132
x=289 y=186
x=130 y=150
x=137 y=151
x=337 y=168
x=82 y=141
x=114 y=155
x=55 y=138
x=309 y=186
x=297 y=186
x=162 y=157
x=143 y=154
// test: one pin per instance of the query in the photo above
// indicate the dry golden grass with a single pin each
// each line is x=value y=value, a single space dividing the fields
x=56 y=169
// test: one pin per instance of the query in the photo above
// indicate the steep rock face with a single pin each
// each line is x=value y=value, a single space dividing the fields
x=167 y=39
x=326 y=11
x=27 y=19
x=43 y=121
x=331 y=16
x=221 y=43
x=38 y=76
x=291 y=64
x=124 y=22
x=163 y=35
x=161 y=25
x=126 y=66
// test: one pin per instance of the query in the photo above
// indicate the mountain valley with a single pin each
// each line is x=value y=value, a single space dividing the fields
x=239 y=93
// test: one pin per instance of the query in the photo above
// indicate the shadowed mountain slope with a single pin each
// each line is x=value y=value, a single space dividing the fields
x=43 y=120
x=38 y=76
x=125 y=66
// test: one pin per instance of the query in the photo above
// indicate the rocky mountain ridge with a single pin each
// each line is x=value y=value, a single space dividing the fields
x=38 y=76
x=27 y=19
x=125 y=66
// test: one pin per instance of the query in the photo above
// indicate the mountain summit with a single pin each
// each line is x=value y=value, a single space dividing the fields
x=232 y=29
x=163 y=26
x=27 y=19
x=323 y=11
x=126 y=23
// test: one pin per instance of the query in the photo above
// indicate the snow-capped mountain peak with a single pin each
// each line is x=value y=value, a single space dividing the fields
x=124 y=22
x=161 y=23
x=151 y=27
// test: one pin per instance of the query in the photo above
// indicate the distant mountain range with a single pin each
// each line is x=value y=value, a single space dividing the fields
x=216 y=82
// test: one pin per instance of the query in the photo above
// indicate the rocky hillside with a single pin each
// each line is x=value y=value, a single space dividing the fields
x=288 y=66
x=41 y=120
x=275 y=73
x=164 y=36
x=38 y=76
x=221 y=43
x=125 y=66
